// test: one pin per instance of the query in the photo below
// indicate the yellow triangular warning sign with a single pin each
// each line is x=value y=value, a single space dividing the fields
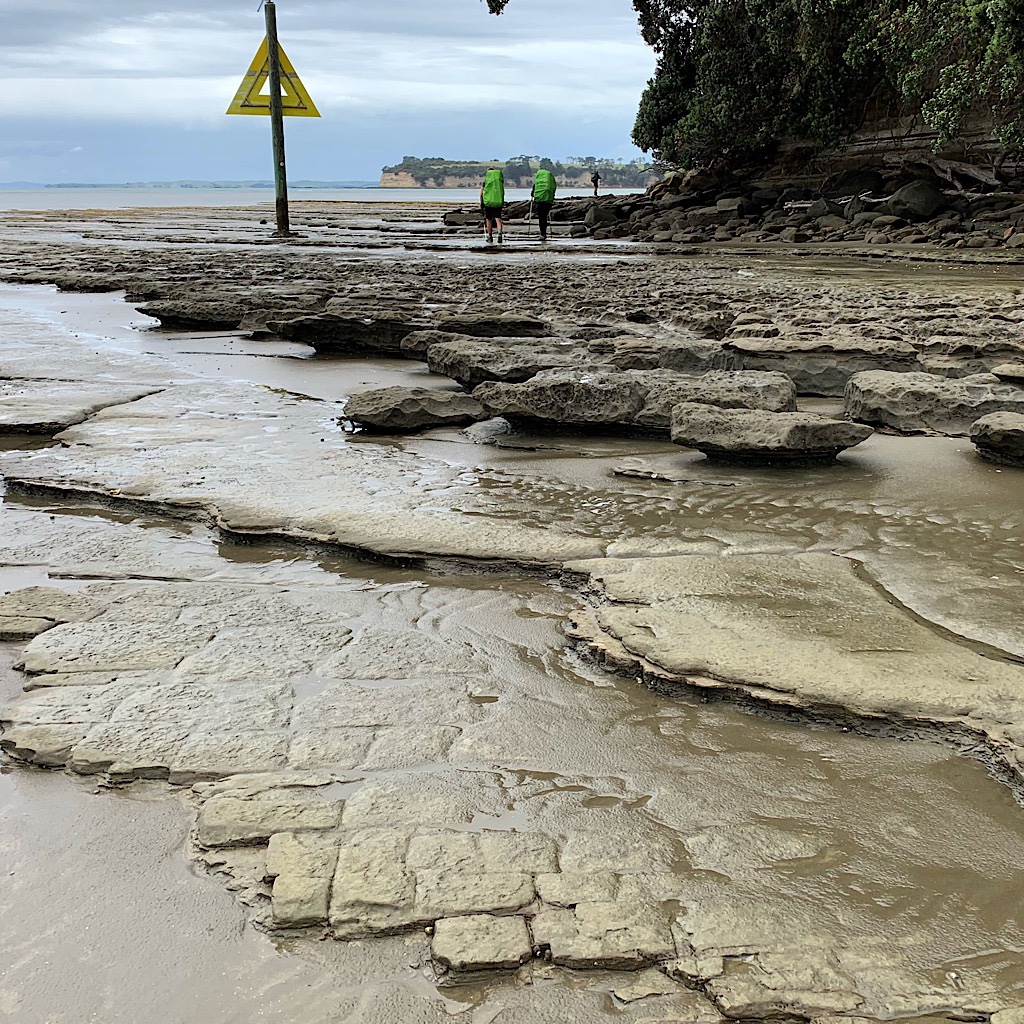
x=250 y=98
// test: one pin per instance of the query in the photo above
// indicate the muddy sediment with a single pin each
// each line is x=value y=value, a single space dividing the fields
x=380 y=752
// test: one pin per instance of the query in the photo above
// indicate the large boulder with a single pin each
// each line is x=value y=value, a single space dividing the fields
x=349 y=333
x=494 y=325
x=749 y=435
x=571 y=399
x=856 y=182
x=914 y=403
x=682 y=351
x=400 y=409
x=999 y=437
x=471 y=361
x=341 y=329
x=227 y=308
x=917 y=201
x=727 y=389
x=958 y=355
x=192 y=314
x=629 y=399
x=599 y=216
x=416 y=344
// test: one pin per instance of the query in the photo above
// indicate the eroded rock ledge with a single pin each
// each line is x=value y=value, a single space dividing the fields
x=314 y=800
x=803 y=631
x=135 y=682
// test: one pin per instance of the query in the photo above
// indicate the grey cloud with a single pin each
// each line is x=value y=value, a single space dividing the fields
x=391 y=77
x=65 y=21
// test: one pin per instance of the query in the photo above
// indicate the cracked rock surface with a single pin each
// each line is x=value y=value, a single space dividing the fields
x=803 y=628
x=373 y=753
x=34 y=407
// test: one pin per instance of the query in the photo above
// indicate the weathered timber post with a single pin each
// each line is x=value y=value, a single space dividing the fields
x=277 y=121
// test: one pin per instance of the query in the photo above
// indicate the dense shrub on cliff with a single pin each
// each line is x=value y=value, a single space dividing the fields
x=736 y=76
x=953 y=57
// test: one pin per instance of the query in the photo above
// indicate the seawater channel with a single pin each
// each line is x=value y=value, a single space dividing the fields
x=789 y=834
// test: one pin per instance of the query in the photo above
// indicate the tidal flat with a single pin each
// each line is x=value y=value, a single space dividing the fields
x=536 y=718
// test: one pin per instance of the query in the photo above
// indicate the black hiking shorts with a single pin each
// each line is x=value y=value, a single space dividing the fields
x=492 y=212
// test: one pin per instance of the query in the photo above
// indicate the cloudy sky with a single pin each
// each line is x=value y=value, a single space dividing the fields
x=135 y=90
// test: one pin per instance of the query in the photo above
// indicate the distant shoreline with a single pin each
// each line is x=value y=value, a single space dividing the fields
x=262 y=199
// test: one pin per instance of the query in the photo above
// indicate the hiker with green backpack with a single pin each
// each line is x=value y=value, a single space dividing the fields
x=492 y=200
x=544 y=187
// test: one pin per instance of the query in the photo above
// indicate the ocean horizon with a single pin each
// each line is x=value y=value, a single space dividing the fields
x=101 y=197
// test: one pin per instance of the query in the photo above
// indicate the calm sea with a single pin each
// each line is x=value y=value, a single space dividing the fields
x=119 y=199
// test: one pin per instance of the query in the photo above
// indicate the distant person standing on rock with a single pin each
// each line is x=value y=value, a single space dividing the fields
x=544 y=188
x=492 y=200
x=595 y=180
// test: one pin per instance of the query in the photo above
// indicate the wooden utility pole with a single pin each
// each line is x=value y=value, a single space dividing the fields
x=277 y=122
x=285 y=96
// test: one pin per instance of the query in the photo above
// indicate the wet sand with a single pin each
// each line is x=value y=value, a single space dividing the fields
x=793 y=839
x=793 y=827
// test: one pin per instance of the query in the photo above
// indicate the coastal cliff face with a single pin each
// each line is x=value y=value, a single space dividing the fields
x=398 y=179
x=888 y=144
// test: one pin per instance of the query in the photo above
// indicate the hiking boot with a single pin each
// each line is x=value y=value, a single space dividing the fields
x=490 y=239
x=501 y=237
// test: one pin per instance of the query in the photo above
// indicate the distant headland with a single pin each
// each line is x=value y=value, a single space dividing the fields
x=439 y=172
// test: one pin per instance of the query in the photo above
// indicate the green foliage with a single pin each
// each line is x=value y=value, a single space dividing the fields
x=735 y=77
x=954 y=58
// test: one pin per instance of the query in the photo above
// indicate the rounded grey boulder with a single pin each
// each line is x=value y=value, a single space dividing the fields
x=999 y=437
x=400 y=409
x=918 y=402
x=755 y=435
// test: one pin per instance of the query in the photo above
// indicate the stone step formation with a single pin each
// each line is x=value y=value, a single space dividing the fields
x=364 y=762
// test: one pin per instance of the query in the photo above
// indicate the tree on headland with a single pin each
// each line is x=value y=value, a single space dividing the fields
x=736 y=77
x=519 y=171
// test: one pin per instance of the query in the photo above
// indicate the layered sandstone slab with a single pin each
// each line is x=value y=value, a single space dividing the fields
x=342 y=330
x=753 y=435
x=803 y=630
x=922 y=402
x=48 y=406
x=999 y=437
x=160 y=448
x=29 y=612
x=637 y=399
x=402 y=409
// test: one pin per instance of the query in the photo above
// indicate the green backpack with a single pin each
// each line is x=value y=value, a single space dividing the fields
x=544 y=186
x=494 y=188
